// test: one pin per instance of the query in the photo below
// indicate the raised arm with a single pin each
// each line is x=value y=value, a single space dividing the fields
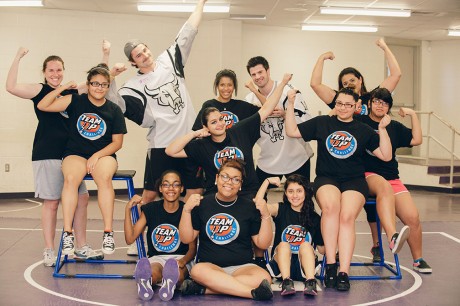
x=187 y=233
x=133 y=231
x=290 y=123
x=195 y=18
x=250 y=85
x=25 y=91
x=54 y=102
x=176 y=148
x=264 y=238
x=105 y=51
x=383 y=152
x=272 y=208
x=324 y=92
x=272 y=101
x=416 y=128
x=395 y=71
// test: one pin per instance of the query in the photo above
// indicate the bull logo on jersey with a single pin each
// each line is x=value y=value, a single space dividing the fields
x=167 y=95
x=230 y=118
x=91 y=126
x=341 y=144
x=295 y=235
x=274 y=128
x=165 y=238
x=222 y=228
x=227 y=153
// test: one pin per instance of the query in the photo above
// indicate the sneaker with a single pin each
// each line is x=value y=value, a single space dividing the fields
x=49 y=260
x=132 y=249
x=330 y=277
x=343 y=283
x=375 y=251
x=287 y=287
x=68 y=246
x=170 y=278
x=143 y=276
x=190 y=287
x=263 y=292
x=310 y=287
x=422 y=266
x=108 y=243
x=398 y=239
x=87 y=253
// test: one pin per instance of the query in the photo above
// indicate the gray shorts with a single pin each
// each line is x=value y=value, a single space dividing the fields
x=49 y=179
x=231 y=269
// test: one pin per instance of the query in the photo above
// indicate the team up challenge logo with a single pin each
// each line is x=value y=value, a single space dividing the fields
x=341 y=144
x=222 y=228
x=91 y=126
x=230 y=119
x=295 y=235
x=165 y=238
x=227 y=153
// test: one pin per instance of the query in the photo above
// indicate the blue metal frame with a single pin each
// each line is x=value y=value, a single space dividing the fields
x=126 y=175
x=396 y=270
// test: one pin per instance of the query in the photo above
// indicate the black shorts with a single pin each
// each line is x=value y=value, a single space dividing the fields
x=157 y=162
x=357 y=184
x=304 y=170
x=296 y=272
x=371 y=213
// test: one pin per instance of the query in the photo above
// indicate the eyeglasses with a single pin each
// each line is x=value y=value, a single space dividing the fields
x=97 y=84
x=346 y=105
x=235 y=180
x=380 y=102
x=173 y=185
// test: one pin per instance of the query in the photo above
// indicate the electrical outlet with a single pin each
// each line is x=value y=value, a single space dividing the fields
x=7 y=167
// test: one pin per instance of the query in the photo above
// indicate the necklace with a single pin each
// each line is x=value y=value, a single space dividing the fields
x=228 y=205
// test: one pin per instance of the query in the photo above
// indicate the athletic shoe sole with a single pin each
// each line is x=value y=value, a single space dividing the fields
x=310 y=292
x=284 y=293
x=402 y=237
x=170 y=278
x=142 y=274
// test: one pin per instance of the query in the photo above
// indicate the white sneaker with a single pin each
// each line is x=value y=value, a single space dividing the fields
x=132 y=249
x=49 y=260
x=108 y=243
x=68 y=246
x=87 y=253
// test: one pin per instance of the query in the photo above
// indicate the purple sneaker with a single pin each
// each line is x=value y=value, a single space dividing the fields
x=143 y=276
x=170 y=278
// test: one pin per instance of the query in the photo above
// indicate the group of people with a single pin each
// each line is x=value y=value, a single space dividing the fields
x=209 y=157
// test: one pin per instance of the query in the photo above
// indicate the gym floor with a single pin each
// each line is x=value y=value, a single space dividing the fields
x=25 y=281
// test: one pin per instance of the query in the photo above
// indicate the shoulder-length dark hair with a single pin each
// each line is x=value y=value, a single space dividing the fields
x=308 y=207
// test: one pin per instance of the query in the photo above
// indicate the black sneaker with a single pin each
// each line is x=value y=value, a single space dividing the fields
x=398 y=239
x=343 y=283
x=263 y=292
x=422 y=266
x=287 y=287
x=375 y=251
x=330 y=277
x=190 y=287
x=310 y=287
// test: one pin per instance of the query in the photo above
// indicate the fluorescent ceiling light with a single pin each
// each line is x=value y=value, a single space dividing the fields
x=364 y=11
x=22 y=3
x=182 y=7
x=247 y=17
x=453 y=33
x=338 y=28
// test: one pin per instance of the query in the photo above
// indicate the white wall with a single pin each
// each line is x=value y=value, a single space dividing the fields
x=76 y=37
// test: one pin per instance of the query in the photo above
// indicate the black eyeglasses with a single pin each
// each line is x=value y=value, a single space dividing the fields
x=380 y=102
x=235 y=180
x=97 y=84
x=346 y=105
x=173 y=185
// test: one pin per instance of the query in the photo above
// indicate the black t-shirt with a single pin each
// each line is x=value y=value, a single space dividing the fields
x=233 y=110
x=238 y=143
x=400 y=137
x=289 y=229
x=341 y=146
x=52 y=130
x=225 y=237
x=91 y=126
x=163 y=229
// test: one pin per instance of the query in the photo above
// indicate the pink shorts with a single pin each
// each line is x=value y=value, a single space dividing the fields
x=397 y=185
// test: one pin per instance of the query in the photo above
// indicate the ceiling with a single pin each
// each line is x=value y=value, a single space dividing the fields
x=429 y=21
